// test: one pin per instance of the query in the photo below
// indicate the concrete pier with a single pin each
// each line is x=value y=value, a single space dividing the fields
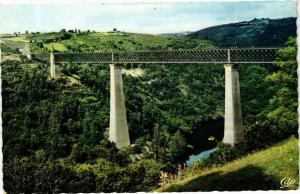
x=52 y=66
x=233 y=126
x=118 y=128
x=55 y=70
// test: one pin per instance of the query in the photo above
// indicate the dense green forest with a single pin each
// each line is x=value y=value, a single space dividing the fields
x=55 y=132
x=257 y=32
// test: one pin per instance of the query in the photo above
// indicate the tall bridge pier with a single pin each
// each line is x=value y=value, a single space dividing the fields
x=118 y=128
x=52 y=66
x=54 y=69
x=233 y=122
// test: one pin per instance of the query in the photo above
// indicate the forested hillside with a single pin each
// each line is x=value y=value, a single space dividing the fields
x=257 y=32
x=55 y=132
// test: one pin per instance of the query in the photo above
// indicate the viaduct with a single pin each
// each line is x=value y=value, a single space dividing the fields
x=118 y=128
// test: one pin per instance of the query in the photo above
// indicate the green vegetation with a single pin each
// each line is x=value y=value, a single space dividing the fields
x=93 y=42
x=55 y=132
x=13 y=44
x=258 y=171
x=55 y=47
x=22 y=38
x=250 y=33
x=4 y=48
x=283 y=106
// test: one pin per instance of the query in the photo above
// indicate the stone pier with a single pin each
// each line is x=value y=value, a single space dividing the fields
x=55 y=71
x=52 y=66
x=118 y=128
x=233 y=126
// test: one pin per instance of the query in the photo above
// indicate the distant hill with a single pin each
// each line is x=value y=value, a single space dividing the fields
x=184 y=33
x=257 y=32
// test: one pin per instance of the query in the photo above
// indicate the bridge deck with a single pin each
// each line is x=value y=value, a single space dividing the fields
x=245 y=55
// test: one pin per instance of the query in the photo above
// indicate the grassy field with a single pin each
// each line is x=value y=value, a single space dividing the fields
x=263 y=170
x=5 y=48
x=13 y=44
x=127 y=41
x=55 y=47
x=102 y=41
x=21 y=38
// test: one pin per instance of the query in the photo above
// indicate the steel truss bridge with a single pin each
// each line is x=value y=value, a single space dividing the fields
x=209 y=56
x=118 y=128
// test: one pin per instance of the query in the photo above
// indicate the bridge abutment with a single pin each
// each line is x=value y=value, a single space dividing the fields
x=233 y=126
x=118 y=128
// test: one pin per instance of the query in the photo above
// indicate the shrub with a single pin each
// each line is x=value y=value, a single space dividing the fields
x=224 y=154
x=56 y=177
x=18 y=176
x=145 y=174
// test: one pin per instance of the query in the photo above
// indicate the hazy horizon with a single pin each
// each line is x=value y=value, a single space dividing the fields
x=138 y=18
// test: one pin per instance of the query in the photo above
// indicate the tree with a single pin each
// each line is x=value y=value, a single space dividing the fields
x=19 y=176
x=282 y=109
x=177 y=147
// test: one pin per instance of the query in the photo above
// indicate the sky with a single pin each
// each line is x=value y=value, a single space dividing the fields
x=152 y=18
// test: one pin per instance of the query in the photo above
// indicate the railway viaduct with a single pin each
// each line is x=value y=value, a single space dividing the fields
x=118 y=128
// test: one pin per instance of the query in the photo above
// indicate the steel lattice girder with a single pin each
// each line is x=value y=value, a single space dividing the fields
x=248 y=55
